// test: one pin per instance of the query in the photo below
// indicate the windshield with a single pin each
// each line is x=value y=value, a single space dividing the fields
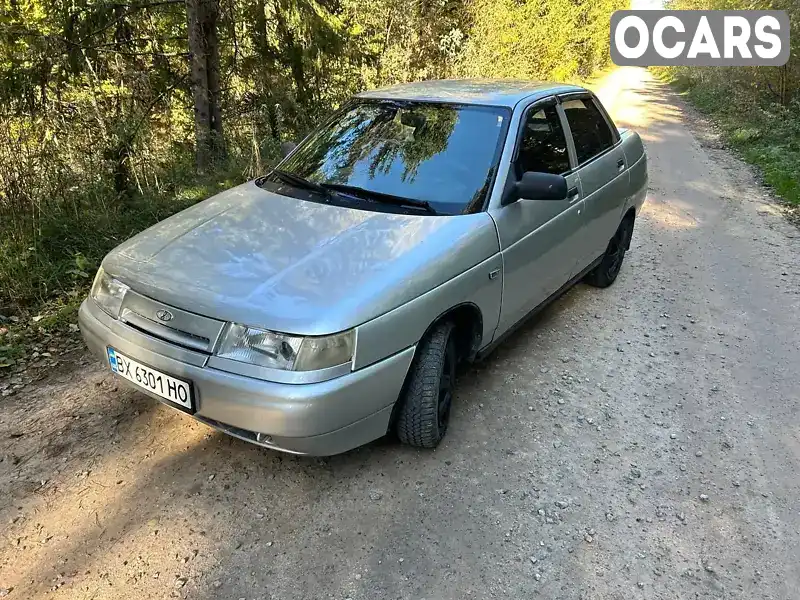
x=441 y=154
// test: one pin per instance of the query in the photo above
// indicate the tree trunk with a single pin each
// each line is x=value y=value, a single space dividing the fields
x=260 y=39
x=199 y=78
x=44 y=77
x=295 y=58
x=785 y=85
x=212 y=58
x=204 y=66
x=120 y=159
x=298 y=72
x=386 y=37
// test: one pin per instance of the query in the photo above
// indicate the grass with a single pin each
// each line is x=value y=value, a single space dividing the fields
x=762 y=131
x=48 y=257
x=53 y=254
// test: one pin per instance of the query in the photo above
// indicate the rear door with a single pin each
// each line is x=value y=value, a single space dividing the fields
x=602 y=172
x=538 y=238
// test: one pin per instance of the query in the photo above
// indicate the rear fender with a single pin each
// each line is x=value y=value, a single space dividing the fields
x=636 y=159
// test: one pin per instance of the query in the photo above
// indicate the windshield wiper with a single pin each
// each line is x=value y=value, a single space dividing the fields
x=301 y=182
x=379 y=196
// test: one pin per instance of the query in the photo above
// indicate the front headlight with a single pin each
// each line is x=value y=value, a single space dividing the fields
x=287 y=352
x=108 y=292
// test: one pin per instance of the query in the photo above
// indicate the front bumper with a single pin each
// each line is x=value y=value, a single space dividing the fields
x=316 y=418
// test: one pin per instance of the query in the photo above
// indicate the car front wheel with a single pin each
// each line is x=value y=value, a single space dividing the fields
x=428 y=393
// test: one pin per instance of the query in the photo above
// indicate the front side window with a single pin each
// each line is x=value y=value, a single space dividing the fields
x=440 y=154
x=543 y=147
x=590 y=131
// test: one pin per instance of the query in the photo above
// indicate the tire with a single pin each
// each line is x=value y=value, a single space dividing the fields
x=604 y=274
x=428 y=391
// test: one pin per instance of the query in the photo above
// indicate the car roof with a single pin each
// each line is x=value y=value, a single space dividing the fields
x=491 y=92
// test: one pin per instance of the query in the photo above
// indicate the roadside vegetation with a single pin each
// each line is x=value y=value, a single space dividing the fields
x=756 y=108
x=117 y=114
x=754 y=123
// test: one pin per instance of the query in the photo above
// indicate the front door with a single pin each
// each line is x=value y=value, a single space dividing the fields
x=538 y=238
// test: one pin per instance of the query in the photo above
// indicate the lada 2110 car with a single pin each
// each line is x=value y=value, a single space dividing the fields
x=329 y=302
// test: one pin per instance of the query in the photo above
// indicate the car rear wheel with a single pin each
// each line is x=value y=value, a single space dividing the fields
x=428 y=393
x=604 y=274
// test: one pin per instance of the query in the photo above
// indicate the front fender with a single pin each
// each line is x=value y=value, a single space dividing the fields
x=404 y=326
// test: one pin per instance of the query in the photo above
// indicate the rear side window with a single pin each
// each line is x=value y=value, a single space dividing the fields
x=590 y=131
x=544 y=146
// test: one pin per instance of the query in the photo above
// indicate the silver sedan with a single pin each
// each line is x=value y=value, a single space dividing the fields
x=330 y=302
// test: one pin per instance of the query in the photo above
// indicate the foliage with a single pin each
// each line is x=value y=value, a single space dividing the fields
x=552 y=39
x=99 y=101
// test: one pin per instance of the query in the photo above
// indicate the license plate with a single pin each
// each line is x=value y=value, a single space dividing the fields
x=175 y=391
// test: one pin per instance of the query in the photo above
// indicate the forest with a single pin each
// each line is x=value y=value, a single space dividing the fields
x=116 y=114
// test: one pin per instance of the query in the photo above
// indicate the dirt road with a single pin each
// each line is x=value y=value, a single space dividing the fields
x=636 y=442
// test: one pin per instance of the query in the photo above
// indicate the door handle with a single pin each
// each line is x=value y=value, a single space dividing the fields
x=621 y=164
x=572 y=194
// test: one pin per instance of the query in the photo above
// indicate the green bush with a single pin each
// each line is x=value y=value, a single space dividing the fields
x=55 y=251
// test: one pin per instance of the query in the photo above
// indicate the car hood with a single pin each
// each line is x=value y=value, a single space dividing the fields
x=255 y=257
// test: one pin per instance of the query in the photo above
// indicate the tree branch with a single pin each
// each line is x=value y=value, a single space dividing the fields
x=155 y=101
x=134 y=41
x=147 y=5
x=131 y=9
x=142 y=53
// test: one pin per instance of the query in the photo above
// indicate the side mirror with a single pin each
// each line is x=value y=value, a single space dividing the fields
x=540 y=186
x=286 y=148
